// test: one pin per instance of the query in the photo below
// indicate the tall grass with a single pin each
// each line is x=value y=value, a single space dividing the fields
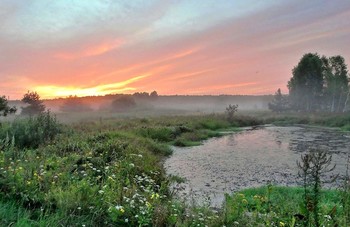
x=109 y=173
x=279 y=206
x=32 y=131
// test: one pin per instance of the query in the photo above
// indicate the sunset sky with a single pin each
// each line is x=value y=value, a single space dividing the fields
x=96 y=47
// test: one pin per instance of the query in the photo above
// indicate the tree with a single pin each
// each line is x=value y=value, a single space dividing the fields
x=35 y=105
x=154 y=95
x=5 y=109
x=123 y=103
x=306 y=85
x=336 y=83
x=141 y=95
x=279 y=102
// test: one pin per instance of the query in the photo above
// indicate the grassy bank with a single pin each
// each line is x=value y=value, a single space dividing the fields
x=336 y=120
x=98 y=173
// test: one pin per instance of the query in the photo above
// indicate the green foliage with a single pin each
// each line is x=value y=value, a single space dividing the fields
x=305 y=87
x=336 y=83
x=312 y=168
x=110 y=173
x=35 y=105
x=33 y=131
x=161 y=134
x=319 y=84
x=5 y=109
x=345 y=195
x=10 y=213
x=100 y=174
x=279 y=206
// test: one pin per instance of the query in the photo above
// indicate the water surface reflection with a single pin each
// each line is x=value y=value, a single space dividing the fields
x=251 y=158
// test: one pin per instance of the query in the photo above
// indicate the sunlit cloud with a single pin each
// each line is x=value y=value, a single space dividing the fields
x=51 y=91
x=188 y=75
x=93 y=50
x=184 y=54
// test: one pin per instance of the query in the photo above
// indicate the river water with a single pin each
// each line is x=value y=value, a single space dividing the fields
x=251 y=158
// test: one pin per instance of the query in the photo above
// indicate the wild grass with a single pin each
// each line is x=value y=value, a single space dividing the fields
x=108 y=172
x=100 y=173
x=279 y=206
x=32 y=131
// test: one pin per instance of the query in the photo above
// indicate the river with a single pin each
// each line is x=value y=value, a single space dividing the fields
x=251 y=158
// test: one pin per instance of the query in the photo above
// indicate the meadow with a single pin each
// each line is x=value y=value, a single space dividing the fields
x=107 y=171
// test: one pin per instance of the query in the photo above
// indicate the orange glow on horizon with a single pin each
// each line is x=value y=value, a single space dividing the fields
x=52 y=91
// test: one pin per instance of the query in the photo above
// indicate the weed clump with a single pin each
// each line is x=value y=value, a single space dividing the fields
x=313 y=167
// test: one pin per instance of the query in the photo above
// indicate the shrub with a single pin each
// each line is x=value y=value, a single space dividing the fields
x=74 y=104
x=230 y=112
x=5 y=108
x=123 y=103
x=32 y=131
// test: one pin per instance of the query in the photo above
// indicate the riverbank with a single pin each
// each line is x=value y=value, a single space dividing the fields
x=106 y=172
x=334 y=120
x=99 y=173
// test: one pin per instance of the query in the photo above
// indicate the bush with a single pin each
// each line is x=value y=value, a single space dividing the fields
x=5 y=108
x=123 y=103
x=230 y=112
x=74 y=104
x=32 y=131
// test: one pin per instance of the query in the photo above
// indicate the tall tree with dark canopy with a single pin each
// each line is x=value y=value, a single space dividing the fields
x=306 y=85
x=336 y=83
x=35 y=106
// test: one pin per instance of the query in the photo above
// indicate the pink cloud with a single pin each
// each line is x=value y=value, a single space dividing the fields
x=93 y=50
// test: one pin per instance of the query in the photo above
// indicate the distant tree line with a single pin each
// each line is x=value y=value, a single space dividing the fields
x=34 y=105
x=74 y=104
x=152 y=95
x=318 y=84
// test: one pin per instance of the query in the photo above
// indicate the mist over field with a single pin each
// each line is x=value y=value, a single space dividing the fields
x=162 y=105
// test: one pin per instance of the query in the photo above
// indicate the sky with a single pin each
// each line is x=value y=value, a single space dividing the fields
x=192 y=47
